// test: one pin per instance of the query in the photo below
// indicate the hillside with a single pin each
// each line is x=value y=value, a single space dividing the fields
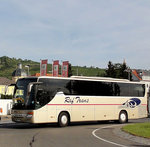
x=8 y=65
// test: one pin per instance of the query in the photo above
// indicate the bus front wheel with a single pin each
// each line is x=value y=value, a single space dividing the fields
x=63 y=119
x=123 y=117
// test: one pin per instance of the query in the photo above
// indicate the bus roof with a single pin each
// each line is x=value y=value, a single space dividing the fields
x=107 y=79
x=99 y=78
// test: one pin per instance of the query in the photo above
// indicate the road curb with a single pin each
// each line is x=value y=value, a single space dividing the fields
x=118 y=131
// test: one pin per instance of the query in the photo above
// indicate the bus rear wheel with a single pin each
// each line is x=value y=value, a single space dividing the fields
x=123 y=117
x=63 y=119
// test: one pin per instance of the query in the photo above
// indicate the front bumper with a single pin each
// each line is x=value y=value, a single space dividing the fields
x=19 y=116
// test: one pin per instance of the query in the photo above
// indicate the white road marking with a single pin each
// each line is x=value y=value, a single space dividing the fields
x=110 y=142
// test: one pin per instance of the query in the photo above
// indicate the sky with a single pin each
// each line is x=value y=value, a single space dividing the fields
x=83 y=32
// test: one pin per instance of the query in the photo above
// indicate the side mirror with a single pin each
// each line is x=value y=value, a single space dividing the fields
x=30 y=86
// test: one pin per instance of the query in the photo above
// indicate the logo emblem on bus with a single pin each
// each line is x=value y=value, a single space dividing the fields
x=132 y=103
x=76 y=100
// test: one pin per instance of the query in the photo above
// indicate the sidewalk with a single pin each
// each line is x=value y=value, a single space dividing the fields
x=118 y=131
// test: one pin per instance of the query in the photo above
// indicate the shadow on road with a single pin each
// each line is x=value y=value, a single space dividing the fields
x=51 y=125
x=54 y=125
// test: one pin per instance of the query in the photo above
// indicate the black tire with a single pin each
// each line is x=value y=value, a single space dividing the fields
x=63 y=119
x=123 y=117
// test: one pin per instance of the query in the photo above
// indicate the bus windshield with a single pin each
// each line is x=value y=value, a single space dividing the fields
x=21 y=96
x=30 y=94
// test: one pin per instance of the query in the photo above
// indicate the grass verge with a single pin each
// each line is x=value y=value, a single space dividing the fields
x=139 y=129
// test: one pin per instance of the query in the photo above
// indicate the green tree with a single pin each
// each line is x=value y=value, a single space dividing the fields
x=118 y=70
x=110 y=71
x=124 y=71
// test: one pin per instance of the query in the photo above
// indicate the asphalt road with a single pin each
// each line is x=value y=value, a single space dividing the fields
x=89 y=134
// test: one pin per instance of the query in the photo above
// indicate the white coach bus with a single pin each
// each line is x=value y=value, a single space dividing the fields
x=76 y=99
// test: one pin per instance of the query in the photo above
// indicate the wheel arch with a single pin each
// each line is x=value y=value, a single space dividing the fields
x=66 y=113
x=125 y=111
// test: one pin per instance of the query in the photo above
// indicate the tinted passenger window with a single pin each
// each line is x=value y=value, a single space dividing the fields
x=121 y=89
x=125 y=89
x=137 y=90
x=81 y=87
x=96 y=88
x=48 y=89
x=91 y=88
x=103 y=89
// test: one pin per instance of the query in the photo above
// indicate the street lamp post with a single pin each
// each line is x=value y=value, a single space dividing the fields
x=28 y=66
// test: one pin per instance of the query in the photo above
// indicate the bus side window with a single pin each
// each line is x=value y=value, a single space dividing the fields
x=116 y=89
